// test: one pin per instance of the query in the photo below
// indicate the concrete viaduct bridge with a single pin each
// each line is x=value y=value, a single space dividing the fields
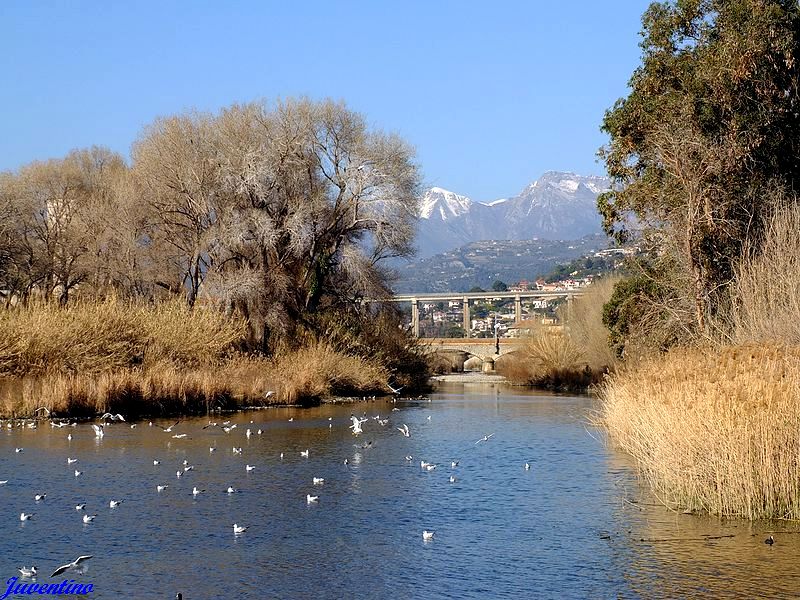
x=458 y=350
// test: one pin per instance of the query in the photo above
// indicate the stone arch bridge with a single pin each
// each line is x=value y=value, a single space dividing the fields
x=459 y=350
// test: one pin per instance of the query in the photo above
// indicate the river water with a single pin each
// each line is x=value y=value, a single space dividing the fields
x=577 y=524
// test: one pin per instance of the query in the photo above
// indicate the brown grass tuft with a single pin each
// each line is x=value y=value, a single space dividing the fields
x=715 y=431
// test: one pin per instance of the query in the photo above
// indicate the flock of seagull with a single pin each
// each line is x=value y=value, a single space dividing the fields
x=357 y=427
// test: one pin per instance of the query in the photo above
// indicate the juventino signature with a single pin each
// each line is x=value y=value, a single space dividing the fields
x=65 y=587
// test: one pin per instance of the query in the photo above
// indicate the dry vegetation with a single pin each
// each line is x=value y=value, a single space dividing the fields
x=89 y=358
x=714 y=430
x=717 y=428
x=574 y=357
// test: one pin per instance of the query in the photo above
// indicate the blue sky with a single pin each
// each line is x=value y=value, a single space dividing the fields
x=490 y=94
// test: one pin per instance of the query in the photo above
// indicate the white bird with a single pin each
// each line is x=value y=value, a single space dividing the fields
x=98 y=430
x=269 y=395
x=383 y=422
x=133 y=425
x=156 y=462
x=88 y=518
x=484 y=439
x=161 y=488
x=26 y=572
x=452 y=478
x=4 y=481
x=430 y=467
x=169 y=429
x=80 y=506
x=116 y=417
x=71 y=460
x=356 y=426
x=212 y=449
x=429 y=417
x=189 y=468
x=281 y=455
x=404 y=430
x=69 y=437
x=311 y=499
x=318 y=480
x=178 y=473
x=428 y=535
x=304 y=453
x=73 y=565
x=78 y=473
x=230 y=490
x=248 y=468
x=259 y=432
x=291 y=419
x=409 y=457
x=527 y=466
x=395 y=391
x=25 y=516
x=18 y=450
x=196 y=492
x=39 y=497
x=237 y=450
x=454 y=464
x=179 y=436
x=248 y=433
x=238 y=528
x=114 y=503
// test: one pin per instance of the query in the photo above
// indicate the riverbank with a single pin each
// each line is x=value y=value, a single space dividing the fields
x=162 y=360
x=713 y=430
x=469 y=377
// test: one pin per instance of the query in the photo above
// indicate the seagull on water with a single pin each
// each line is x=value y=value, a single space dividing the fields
x=78 y=473
x=188 y=468
x=73 y=565
x=114 y=503
x=4 y=481
x=311 y=499
x=409 y=458
x=18 y=450
x=80 y=506
x=26 y=516
x=249 y=468
x=769 y=541
x=39 y=497
x=98 y=430
x=454 y=464
x=212 y=448
x=230 y=490
x=161 y=488
x=404 y=430
x=527 y=466
x=304 y=453
x=248 y=433
x=238 y=528
x=69 y=437
x=88 y=518
x=452 y=478
x=156 y=463
x=237 y=450
x=196 y=492
x=178 y=473
x=26 y=572
x=179 y=436
x=428 y=535
x=356 y=426
x=71 y=460
x=318 y=480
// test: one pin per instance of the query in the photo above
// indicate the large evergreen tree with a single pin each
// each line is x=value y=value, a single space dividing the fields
x=708 y=139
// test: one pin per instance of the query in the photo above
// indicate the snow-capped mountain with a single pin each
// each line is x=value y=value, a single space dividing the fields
x=555 y=206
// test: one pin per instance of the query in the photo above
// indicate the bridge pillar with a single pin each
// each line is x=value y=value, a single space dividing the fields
x=415 y=317
x=488 y=365
x=465 y=305
x=517 y=309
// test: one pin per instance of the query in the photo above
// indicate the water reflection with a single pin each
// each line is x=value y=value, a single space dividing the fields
x=562 y=529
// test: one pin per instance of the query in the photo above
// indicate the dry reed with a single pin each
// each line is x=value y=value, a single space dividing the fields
x=714 y=431
x=163 y=359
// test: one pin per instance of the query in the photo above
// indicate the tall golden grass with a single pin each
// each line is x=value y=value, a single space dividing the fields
x=164 y=359
x=713 y=430
x=574 y=356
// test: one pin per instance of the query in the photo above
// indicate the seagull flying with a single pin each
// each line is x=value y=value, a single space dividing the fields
x=98 y=430
x=395 y=391
x=73 y=565
x=169 y=429
x=404 y=430
x=117 y=417
x=356 y=426
x=484 y=439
